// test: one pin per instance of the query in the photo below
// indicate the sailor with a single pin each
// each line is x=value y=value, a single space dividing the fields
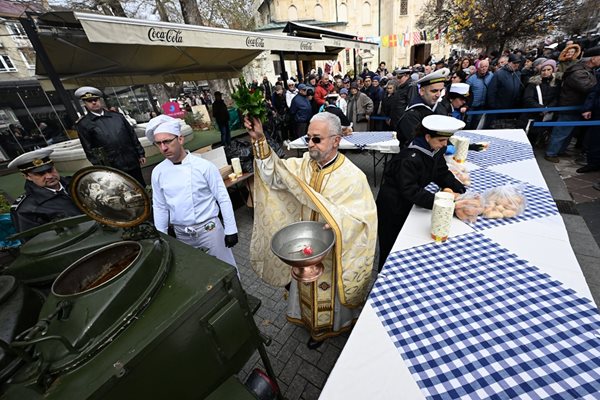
x=453 y=103
x=188 y=192
x=422 y=104
x=407 y=175
x=107 y=138
x=46 y=198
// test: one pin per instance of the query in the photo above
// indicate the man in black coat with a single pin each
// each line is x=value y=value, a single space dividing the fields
x=221 y=115
x=107 y=138
x=505 y=89
x=46 y=198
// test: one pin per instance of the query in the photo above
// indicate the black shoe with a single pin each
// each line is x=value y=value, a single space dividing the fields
x=313 y=344
x=587 y=168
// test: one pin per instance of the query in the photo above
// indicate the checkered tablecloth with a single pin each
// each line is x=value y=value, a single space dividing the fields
x=472 y=321
x=500 y=151
x=539 y=201
x=362 y=139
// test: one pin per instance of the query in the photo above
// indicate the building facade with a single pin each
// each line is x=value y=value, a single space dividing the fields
x=392 y=23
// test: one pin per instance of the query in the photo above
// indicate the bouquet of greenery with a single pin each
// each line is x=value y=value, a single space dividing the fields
x=250 y=104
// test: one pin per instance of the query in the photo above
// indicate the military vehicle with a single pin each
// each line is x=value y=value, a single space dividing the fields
x=113 y=309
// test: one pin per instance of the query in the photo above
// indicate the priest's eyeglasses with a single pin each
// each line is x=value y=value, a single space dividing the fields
x=315 y=139
x=167 y=142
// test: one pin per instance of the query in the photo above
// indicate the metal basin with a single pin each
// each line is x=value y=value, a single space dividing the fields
x=290 y=242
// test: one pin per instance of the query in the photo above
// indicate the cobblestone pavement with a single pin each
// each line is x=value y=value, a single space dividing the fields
x=301 y=372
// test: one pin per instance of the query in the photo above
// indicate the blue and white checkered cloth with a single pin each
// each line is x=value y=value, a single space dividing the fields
x=362 y=139
x=500 y=151
x=472 y=321
x=539 y=201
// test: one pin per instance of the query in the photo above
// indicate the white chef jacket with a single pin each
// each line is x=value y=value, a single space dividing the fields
x=187 y=194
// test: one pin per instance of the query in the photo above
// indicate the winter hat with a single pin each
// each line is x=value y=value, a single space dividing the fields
x=539 y=61
x=549 y=62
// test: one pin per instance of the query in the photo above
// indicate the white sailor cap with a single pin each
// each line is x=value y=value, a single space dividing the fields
x=402 y=71
x=33 y=161
x=436 y=76
x=162 y=124
x=442 y=125
x=460 y=88
x=88 y=92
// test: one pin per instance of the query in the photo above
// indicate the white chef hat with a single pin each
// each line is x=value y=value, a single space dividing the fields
x=162 y=124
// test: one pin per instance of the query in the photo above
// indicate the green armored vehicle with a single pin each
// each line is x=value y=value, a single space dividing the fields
x=139 y=316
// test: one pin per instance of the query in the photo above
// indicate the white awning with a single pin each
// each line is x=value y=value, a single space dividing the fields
x=99 y=50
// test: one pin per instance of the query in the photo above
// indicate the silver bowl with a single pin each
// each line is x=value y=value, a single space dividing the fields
x=289 y=243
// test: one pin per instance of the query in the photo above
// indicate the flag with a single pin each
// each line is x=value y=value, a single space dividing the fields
x=406 y=40
x=416 y=37
x=424 y=36
x=385 y=41
x=393 y=41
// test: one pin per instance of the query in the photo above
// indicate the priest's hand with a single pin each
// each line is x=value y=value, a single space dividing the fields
x=231 y=240
x=254 y=127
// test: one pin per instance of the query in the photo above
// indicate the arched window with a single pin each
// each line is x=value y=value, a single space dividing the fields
x=292 y=13
x=318 y=12
x=366 y=13
x=343 y=12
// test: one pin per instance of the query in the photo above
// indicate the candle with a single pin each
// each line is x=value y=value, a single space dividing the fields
x=237 y=166
x=462 y=148
x=441 y=216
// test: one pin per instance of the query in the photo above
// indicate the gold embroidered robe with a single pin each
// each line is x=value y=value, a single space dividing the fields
x=295 y=189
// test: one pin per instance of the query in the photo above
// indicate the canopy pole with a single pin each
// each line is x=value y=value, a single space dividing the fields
x=151 y=98
x=284 y=74
x=355 y=63
x=56 y=113
x=299 y=70
x=31 y=116
x=16 y=139
x=136 y=100
x=29 y=27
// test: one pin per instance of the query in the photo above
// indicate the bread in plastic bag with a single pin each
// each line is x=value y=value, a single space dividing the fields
x=468 y=206
x=503 y=202
x=459 y=171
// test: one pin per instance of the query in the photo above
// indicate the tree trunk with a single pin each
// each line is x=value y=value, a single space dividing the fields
x=116 y=8
x=162 y=11
x=190 y=12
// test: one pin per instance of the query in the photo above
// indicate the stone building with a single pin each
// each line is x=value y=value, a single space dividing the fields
x=366 y=19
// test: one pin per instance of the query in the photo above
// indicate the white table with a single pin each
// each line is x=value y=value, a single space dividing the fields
x=373 y=146
x=371 y=367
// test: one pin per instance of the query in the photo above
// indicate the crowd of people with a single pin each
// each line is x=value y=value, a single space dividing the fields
x=563 y=74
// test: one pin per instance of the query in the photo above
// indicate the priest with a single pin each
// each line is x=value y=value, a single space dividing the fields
x=323 y=186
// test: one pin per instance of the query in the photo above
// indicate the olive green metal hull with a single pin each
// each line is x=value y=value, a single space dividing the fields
x=195 y=333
